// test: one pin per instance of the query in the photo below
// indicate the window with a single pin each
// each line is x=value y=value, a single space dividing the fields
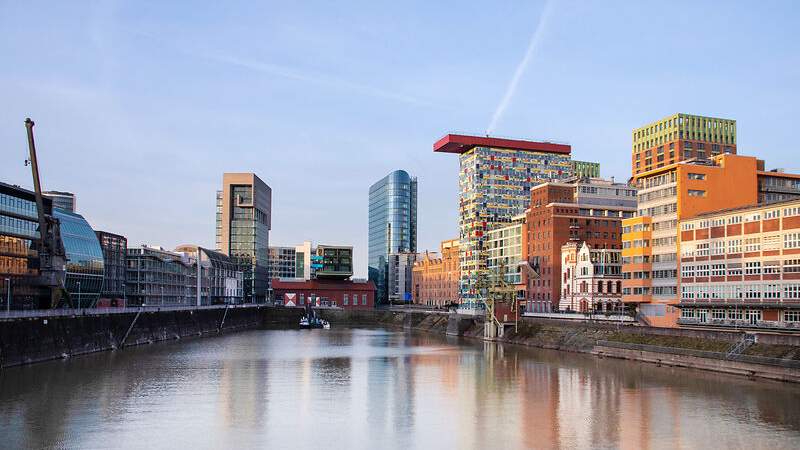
x=734 y=220
x=734 y=269
x=346 y=300
x=787 y=212
x=718 y=270
x=791 y=240
x=687 y=271
x=363 y=299
x=701 y=270
x=735 y=314
x=775 y=213
x=791 y=291
x=791 y=266
x=697 y=193
x=752 y=245
x=752 y=268
x=771 y=267
x=791 y=316
x=697 y=176
x=718 y=314
x=772 y=291
x=735 y=246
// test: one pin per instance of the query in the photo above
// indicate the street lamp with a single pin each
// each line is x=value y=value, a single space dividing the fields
x=8 y=295
x=162 y=295
x=79 y=295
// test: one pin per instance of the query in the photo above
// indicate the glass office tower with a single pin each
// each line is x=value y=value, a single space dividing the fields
x=244 y=218
x=392 y=225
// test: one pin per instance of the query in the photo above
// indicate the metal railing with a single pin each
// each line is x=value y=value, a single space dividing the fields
x=790 y=363
x=69 y=312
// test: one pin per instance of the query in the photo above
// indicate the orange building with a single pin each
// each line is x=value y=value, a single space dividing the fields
x=435 y=277
x=680 y=191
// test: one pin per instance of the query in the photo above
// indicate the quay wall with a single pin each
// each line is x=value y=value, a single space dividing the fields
x=26 y=340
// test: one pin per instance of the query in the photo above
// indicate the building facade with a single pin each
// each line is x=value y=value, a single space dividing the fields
x=742 y=267
x=347 y=294
x=85 y=266
x=495 y=179
x=585 y=169
x=62 y=200
x=19 y=258
x=244 y=219
x=221 y=279
x=436 y=276
x=115 y=268
x=505 y=252
x=679 y=137
x=400 y=283
x=332 y=262
x=681 y=191
x=157 y=277
x=579 y=210
x=591 y=279
x=282 y=262
x=392 y=225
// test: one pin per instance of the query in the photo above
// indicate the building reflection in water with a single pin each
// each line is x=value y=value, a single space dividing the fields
x=382 y=389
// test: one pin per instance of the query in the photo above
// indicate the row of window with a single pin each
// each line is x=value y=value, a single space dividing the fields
x=738 y=291
x=735 y=269
x=752 y=315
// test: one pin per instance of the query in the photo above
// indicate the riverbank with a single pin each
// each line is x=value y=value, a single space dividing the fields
x=773 y=357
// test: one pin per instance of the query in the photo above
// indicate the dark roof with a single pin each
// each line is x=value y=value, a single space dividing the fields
x=321 y=285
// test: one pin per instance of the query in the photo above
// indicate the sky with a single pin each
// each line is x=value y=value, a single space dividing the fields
x=141 y=106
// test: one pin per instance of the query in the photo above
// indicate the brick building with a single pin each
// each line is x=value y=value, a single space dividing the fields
x=741 y=267
x=591 y=211
x=347 y=294
x=435 y=277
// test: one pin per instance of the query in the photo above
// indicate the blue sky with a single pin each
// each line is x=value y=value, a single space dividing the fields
x=140 y=106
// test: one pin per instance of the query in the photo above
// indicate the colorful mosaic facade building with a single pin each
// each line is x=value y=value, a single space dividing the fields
x=495 y=179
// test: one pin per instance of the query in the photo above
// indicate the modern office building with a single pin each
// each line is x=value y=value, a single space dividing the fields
x=115 y=268
x=158 y=277
x=677 y=192
x=585 y=169
x=590 y=210
x=62 y=200
x=221 y=280
x=741 y=267
x=333 y=262
x=591 y=279
x=85 y=267
x=392 y=225
x=18 y=255
x=679 y=137
x=400 y=284
x=244 y=211
x=495 y=179
x=347 y=294
x=436 y=276
x=282 y=262
x=302 y=259
x=505 y=251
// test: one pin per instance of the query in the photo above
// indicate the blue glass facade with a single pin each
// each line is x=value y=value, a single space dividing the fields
x=392 y=225
x=84 y=280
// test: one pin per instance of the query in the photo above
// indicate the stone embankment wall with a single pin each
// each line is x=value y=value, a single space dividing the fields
x=30 y=340
x=775 y=357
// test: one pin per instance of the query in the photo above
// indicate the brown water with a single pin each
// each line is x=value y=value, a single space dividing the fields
x=378 y=389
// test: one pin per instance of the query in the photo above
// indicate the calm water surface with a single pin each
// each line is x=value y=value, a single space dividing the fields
x=358 y=388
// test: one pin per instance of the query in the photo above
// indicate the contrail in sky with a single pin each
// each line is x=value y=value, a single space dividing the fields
x=523 y=65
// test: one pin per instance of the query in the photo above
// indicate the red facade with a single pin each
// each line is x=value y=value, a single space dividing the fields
x=346 y=294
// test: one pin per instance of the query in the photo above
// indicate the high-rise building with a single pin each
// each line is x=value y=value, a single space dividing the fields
x=495 y=179
x=400 y=277
x=741 y=267
x=244 y=219
x=115 y=263
x=62 y=200
x=585 y=169
x=578 y=210
x=679 y=137
x=392 y=225
x=436 y=276
x=677 y=192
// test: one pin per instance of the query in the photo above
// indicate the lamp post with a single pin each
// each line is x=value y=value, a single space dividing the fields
x=8 y=295
x=79 y=295
x=162 y=296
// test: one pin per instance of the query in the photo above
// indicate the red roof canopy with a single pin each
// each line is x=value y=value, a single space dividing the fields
x=459 y=143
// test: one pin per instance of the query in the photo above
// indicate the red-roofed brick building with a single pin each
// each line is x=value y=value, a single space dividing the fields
x=347 y=294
